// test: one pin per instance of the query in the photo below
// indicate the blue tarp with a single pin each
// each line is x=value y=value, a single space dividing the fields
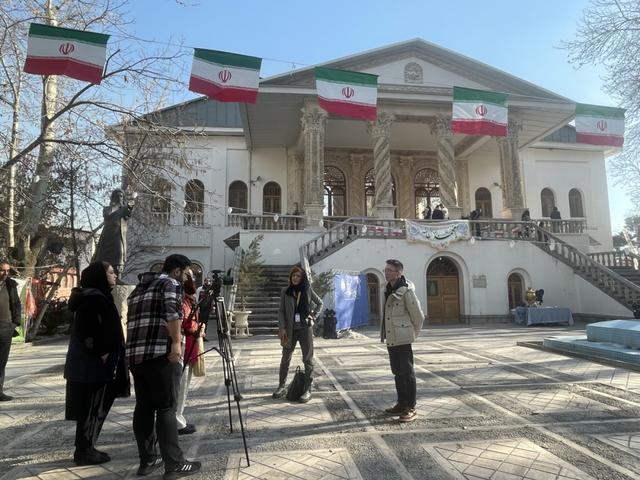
x=352 y=301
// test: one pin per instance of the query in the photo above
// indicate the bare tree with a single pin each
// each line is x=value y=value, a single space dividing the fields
x=609 y=35
x=76 y=122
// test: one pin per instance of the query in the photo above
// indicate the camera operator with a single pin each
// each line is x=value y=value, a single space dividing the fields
x=204 y=300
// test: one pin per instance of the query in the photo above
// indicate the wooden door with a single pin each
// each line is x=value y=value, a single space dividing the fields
x=443 y=292
x=373 y=285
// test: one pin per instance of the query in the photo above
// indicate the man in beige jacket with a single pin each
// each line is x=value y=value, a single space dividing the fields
x=401 y=324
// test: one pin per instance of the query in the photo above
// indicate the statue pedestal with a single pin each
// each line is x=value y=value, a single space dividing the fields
x=120 y=294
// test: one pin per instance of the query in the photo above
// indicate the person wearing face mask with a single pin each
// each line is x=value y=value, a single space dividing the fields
x=154 y=353
x=190 y=324
x=95 y=368
x=299 y=307
x=10 y=313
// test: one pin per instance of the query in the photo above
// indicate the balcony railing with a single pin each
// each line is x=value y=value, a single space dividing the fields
x=194 y=219
x=615 y=259
x=247 y=221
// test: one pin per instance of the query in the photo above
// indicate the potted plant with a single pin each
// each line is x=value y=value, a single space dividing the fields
x=250 y=278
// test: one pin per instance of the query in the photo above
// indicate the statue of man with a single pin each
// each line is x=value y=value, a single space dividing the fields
x=112 y=246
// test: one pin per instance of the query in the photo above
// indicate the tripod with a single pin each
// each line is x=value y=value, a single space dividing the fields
x=225 y=350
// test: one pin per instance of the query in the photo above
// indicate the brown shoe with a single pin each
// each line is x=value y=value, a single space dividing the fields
x=409 y=415
x=397 y=409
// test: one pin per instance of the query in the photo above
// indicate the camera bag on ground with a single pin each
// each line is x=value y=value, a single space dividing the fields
x=296 y=387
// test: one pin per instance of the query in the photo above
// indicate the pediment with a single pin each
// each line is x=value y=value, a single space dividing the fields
x=420 y=66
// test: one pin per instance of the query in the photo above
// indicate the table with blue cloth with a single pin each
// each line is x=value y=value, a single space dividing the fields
x=543 y=315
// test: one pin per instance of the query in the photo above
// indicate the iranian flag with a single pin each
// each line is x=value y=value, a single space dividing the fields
x=226 y=77
x=348 y=94
x=64 y=51
x=478 y=112
x=599 y=125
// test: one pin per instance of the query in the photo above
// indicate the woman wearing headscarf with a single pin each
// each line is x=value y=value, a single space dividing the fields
x=95 y=370
x=299 y=308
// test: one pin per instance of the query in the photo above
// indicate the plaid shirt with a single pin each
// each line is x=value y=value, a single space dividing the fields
x=156 y=300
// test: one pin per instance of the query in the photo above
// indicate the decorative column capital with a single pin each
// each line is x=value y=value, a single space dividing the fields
x=313 y=120
x=513 y=130
x=441 y=126
x=381 y=126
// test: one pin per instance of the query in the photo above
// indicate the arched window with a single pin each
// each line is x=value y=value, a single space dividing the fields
x=238 y=197
x=161 y=201
x=426 y=188
x=194 y=203
x=575 y=203
x=156 y=267
x=516 y=290
x=335 y=188
x=547 y=201
x=370 y=193
x=483 y=202
x=271 y=198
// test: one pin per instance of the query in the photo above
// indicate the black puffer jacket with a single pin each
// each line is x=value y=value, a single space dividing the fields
x=96 y=331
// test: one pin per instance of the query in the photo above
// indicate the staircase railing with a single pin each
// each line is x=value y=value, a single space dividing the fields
x=230 y=290
x=616 y=259
x=616 y=286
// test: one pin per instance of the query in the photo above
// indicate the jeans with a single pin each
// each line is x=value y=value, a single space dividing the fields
x=157 y=382
x=304 y=336
x=401 y=360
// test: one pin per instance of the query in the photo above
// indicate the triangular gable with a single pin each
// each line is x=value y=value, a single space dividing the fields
x=441 y=68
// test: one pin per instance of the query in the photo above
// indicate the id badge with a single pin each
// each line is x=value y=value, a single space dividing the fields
x=296 y=318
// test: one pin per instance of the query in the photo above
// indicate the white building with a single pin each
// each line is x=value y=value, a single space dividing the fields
x=285 y=155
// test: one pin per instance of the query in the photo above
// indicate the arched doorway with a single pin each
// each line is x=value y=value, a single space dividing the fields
x=373 y=286
x=516 y=290
x=443 y=291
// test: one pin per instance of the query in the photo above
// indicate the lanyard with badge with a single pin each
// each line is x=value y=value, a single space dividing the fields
x=296 y=317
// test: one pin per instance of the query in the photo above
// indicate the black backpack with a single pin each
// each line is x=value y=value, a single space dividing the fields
x=296 y=387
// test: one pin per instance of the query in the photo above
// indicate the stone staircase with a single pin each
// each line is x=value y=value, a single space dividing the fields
x=264 y=303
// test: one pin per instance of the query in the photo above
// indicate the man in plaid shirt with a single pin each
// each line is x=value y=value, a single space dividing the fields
x=154 y=353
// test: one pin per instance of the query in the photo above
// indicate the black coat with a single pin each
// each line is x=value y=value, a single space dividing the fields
x=95 y=331
x=14 y=301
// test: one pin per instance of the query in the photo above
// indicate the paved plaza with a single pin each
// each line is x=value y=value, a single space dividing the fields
x=488 y=409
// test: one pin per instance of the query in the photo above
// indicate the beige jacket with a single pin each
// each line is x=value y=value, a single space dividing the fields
x=403 y=317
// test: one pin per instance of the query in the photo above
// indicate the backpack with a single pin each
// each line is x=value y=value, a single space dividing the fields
x=296 y=387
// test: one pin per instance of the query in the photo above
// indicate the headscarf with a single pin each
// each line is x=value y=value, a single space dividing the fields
x=95 y=276
x=302 y=306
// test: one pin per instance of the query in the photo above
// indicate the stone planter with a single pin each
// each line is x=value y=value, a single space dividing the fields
x=241 y=323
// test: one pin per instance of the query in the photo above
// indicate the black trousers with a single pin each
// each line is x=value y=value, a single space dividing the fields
x=6 y=335
x=304 y=337
x=88 y=404
x=401 y=360
x=157 y=382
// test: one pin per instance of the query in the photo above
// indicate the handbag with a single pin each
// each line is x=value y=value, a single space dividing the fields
x=198 y=368
x=296 y=387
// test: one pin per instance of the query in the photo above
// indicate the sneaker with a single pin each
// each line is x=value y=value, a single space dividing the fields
x=188 y=430
x=280 y=392
x=182 y=470
x=5 y=398
x=90 y=456
x=409 y=415
x=306 y=396
x=150 y=466
x=397 y=409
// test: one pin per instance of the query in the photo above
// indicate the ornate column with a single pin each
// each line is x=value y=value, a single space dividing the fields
x=380 y=131
x=355 y=184
x=295 y=182
x=313 y=125
x=405 y=194
x=441 y=127
x=511 y=173
x=462 y=176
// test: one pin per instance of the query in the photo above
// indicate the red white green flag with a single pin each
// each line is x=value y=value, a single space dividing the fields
x=348 y=94
x=478 y=112
x=64 y=51
x=599 y=125
x=226 y=77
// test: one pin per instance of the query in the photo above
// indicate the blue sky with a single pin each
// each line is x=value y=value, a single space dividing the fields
x=520 y=37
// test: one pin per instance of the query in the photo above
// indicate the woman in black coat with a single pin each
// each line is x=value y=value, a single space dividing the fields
x=299 y=308
x=95 y=368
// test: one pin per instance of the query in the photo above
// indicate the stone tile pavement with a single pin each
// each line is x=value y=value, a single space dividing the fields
x=488 y=409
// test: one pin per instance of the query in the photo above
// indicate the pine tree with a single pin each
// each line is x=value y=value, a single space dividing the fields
x=251 y=272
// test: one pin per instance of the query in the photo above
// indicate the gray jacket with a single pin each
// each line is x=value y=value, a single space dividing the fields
x=403 y=317
x=287 y=310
